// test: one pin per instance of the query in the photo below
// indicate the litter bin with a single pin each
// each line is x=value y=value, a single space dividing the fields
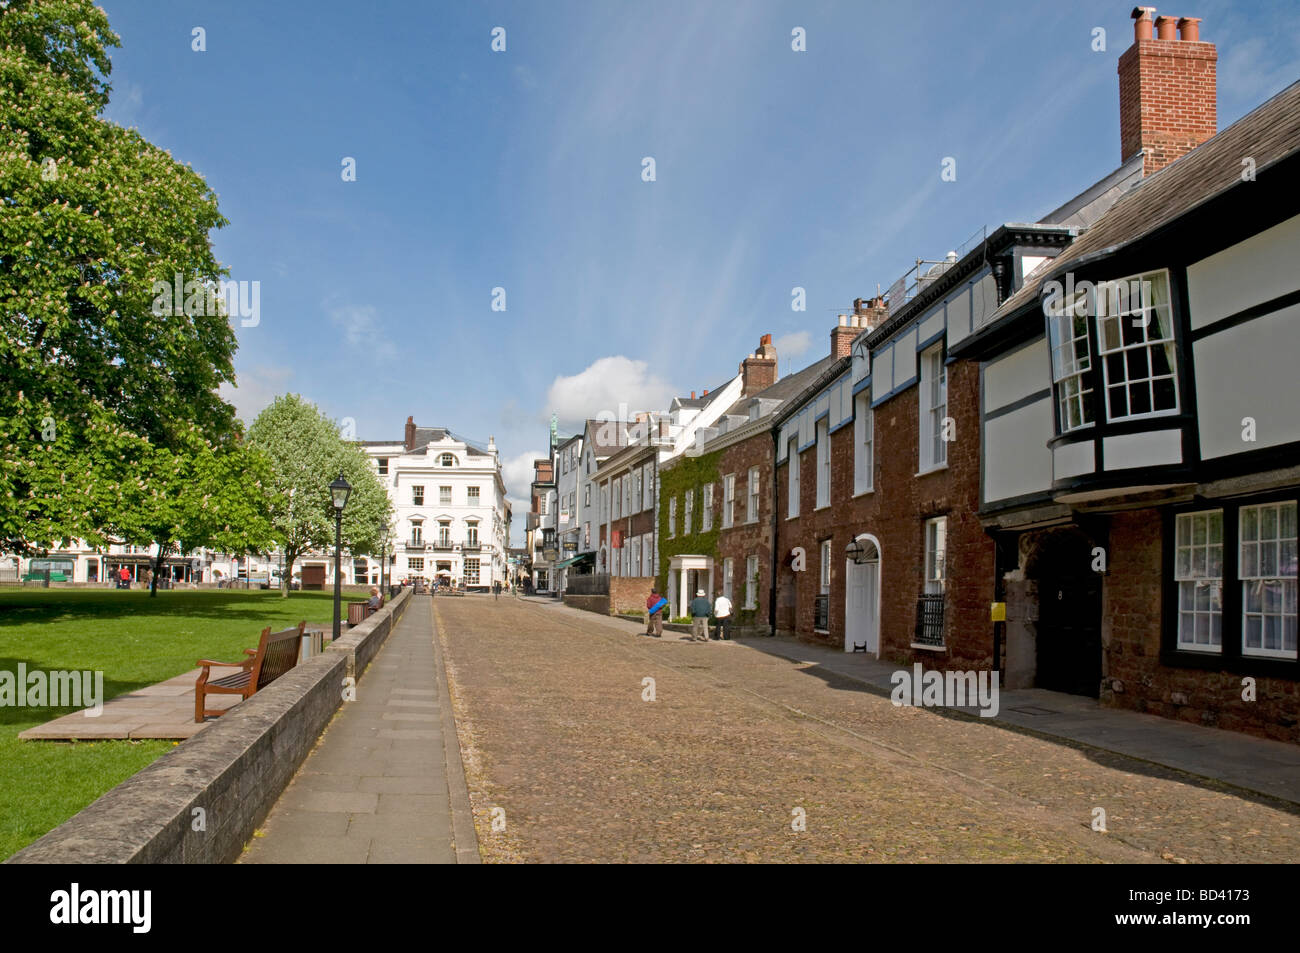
x=356 y=613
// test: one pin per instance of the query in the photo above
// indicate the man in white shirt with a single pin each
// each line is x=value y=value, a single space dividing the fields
x=722 y=612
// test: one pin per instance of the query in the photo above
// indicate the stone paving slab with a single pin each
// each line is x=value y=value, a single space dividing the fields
x=164 y=710
x=378 y=788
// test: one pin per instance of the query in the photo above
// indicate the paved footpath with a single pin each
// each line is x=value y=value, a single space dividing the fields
x=585 y=741
x=385 y=782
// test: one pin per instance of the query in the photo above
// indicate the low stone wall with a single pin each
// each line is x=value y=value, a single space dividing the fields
x=226 y=778
x=362 y=642
x=589 y=603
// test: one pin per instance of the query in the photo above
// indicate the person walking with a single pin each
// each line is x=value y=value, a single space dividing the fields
x=722 y=612
x=654 y=621
x=700 y=609
x=496 y=590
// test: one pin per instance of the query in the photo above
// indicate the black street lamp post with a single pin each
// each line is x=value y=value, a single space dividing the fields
x=383 y=558
x=339 y=491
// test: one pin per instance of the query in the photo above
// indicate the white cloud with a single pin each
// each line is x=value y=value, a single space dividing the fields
x=255 y=389
x=792 y=345
x=517 y=472
x=362 y=330
x=602 y=387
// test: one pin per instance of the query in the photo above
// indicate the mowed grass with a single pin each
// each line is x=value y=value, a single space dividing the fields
x=135 y=641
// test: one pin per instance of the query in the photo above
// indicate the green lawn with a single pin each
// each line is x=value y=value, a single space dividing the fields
x=136 y=641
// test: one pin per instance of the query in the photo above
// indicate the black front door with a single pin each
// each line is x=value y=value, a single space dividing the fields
x=1069 y=634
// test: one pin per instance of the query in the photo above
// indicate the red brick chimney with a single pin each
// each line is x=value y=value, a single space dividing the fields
x=1168 y=100
x=758 y=371
x=409 y=439
x=866 y=315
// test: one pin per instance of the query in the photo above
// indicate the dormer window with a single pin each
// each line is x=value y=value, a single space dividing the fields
x=446 y=460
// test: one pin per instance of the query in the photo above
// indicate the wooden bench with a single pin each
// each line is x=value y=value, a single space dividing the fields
x=276 y=653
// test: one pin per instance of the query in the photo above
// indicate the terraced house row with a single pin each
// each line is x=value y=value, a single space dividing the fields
x=1068 y=450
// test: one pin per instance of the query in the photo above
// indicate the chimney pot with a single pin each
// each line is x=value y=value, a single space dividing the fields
x=1189 y=29
x=1142 y=22
x=692 y=395
x=1165 y=27
x=765 y=339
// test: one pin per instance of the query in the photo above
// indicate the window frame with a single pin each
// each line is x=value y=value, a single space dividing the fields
x=706 y=508
x=1103 y=298
x=1232 y=657
x=822 y=431
x=753 y=501
x=932 y=409
x=729 y=501
x=935 y=556
x=792 y=483
x=1181 y=579
x=864 y=447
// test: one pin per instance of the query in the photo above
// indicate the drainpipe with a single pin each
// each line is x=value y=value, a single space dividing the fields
x=771 y=593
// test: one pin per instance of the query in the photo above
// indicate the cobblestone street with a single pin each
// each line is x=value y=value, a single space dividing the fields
x=567 y=762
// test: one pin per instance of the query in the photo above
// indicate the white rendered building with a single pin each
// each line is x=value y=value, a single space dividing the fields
x=452 y=522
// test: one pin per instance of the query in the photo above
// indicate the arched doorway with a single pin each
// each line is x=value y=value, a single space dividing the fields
x=862 y=597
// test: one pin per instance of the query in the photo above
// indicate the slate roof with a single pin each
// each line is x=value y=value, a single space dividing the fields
x=785 y=388
x=1268 y=134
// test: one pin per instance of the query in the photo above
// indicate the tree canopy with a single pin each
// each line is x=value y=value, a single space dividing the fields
x=91 y=216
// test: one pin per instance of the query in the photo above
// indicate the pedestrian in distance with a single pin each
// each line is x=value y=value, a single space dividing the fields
x=654 y=621
x=722 y=612
x=700 y=609
x=496 y=590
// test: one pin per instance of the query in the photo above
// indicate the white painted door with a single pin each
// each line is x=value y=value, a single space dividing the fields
x=861 y=615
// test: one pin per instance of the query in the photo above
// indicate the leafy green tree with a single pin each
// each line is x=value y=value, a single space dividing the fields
x=306 y=453
x=91 y=217
x=194 y=495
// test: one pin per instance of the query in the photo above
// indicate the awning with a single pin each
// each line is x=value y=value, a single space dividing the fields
x=573 y=560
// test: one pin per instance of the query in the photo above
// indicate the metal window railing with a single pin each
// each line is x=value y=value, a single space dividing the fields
x=822 y=613
x=929 y=619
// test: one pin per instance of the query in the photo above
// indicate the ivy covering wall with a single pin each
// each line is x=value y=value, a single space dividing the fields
x=682 y=475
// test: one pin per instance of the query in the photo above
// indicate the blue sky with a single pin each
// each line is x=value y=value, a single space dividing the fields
x=522 y=170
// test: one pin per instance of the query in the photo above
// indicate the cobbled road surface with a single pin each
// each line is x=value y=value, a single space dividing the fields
x=568 y=762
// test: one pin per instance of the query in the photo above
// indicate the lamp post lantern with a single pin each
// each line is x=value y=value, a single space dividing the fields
x=339 y=491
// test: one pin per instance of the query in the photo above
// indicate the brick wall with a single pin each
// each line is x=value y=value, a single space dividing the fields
x=629 y=593
x=1131 y=630
x=744 y=539
x=895 y=514
x=1167 y=98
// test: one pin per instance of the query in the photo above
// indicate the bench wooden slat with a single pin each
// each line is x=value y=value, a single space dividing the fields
x=276 y=654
